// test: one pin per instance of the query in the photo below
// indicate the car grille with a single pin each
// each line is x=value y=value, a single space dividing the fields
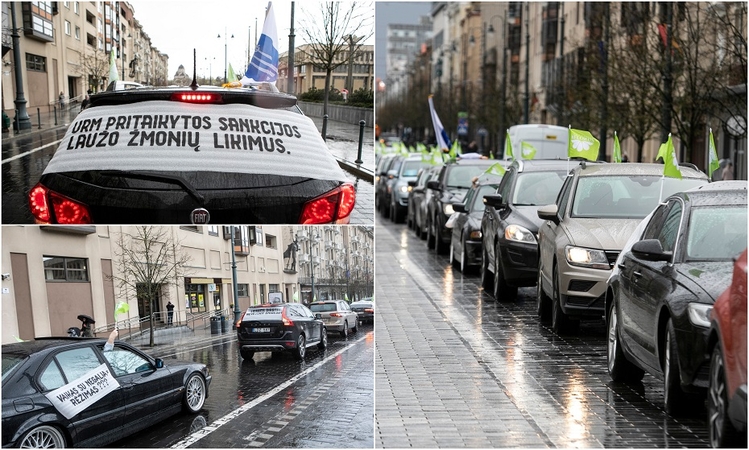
x=580 y=285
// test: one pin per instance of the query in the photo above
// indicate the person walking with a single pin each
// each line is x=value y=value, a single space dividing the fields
x=169 y=313
x=62 y=101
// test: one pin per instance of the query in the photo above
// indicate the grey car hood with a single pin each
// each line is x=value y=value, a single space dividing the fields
x=604 y=234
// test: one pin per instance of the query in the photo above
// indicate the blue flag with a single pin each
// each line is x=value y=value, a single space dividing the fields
x=443 y=141
x=264 y=63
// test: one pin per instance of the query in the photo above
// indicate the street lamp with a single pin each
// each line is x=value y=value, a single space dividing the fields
x=226 y=44
x=210 y=71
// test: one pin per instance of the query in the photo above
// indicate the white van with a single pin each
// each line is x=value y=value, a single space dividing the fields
x=550 y=141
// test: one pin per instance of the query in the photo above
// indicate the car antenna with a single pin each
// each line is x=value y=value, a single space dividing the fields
x=194 y=84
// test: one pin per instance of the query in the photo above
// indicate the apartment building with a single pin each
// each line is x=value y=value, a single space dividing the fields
x=307 y=74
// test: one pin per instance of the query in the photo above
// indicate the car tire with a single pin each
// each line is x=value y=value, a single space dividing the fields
x=355 y=328
x=44 y=436
x=543 y=302
x=502 y=291
x=439 y=246
x=246 y=353
x=195 y=393
x=301 y=347
x=620 y=369
x=722 y=432
x=560 y=322
x=323 y=344
x=386 y=210
x=487 y=282
x=674 y=399
x=344 y=332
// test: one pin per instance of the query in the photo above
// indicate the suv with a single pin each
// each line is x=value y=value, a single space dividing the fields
x=451 y=185
x=388 y=162
x=418 y=199
x=337 y=315
x=273 y=327
x=194 y=154
x=509 y=226
x=598 y=208
x=398 y=187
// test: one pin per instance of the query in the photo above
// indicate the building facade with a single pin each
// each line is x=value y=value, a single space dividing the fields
x=308 y=74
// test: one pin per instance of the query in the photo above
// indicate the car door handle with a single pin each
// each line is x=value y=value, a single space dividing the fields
x=621 y=266
x=636 y=274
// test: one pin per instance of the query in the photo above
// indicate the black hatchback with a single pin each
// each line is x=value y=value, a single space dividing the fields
x=69 y=392
x=181 y=155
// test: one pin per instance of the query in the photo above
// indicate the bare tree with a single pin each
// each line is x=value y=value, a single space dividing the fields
x=149 y=259
x=95 y=67
x=337 y=35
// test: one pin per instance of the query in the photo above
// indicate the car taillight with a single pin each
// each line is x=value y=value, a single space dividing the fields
x=332 y=207
x=369 y=310
x=286 y=321
x=194 y=97
x=336 y=315
x=67 y=211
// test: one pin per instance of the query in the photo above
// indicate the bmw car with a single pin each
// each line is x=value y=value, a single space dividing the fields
x=192 y=155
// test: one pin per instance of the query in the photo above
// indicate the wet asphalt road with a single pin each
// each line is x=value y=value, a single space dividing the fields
x=456 y=369
x=275 y=401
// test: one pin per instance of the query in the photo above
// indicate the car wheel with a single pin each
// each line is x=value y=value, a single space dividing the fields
x=502 y=291
x=323 y=339
x=386 y=210
x=543 y=302
x=344 y=332
x=301 y=347
x=560 y=322
x=195 y=393
x=45 y=436
x=486 y=277
x=620 y=369
x=673 y=397
x=722 y=432
x=246 y=353
x=439 y=246
x=397 y=214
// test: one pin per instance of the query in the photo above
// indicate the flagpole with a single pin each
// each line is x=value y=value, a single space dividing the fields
x=660 y=195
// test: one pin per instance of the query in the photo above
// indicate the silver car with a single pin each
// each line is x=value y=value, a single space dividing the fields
x=337 y=315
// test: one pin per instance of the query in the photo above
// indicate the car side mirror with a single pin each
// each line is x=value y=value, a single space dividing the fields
x=159 y=363
x=494 y=200
x=412 y=183
x=392 y=174
x=651 y=250
x=549 y=212
x=434 y=184
x=459 y=207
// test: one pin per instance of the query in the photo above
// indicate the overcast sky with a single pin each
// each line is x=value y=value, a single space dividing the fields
x=176 y=27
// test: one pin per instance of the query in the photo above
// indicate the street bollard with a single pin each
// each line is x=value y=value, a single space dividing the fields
x=361 y=137
x=324 y=127
x=55 y=107
x=39 y=118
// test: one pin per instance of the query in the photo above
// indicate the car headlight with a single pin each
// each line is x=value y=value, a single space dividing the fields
x=404 y=189
x=586 y=257
x=448 y=209
x=476 y=234
x=519 y=234
x=699 y=314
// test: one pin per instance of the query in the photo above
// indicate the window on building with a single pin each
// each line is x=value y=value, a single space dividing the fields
x=66 y=4
x=259 y=235
x=76 y=8
x=193 y=228
x=67 y=28
x=78 y=33
x=213 y=230
x=243 y=290
x=273 y=288
x=101 y=45
x=36 y=63
x=37 y=20
x=98 y=25
x=270 y=241
x=59 y=268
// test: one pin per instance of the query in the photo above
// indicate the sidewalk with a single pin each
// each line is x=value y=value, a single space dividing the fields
x=168 y=340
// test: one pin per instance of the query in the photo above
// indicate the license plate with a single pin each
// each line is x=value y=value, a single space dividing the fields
x=260 y=330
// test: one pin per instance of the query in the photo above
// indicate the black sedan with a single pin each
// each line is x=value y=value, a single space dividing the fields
x=274 y=327
x=660 y=296
x=465 y=244
x=364 y=308
x=65 y=392
x=181 y=155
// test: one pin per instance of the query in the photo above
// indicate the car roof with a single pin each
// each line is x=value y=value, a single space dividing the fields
x=727 y=193
x=646 y=169
x=45 y=343
x=540 y=165
x=472 y=162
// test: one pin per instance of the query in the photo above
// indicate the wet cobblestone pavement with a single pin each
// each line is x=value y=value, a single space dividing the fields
x=453 y=368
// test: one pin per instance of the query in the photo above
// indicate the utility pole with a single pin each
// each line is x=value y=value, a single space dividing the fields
x=562 y=94
x=23 y=122
x=290 y=82
x=667 y=78
x=526 y=104
x=237 y=312
x=503 y=104
x=605 y=87
x=350 y=76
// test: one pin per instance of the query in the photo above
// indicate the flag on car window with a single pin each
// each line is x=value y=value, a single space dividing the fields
x=496 y=169
x=443 y=141
x=671 y=164
x=508 y=146
x=617 y=155
x=113 y=74
x=582 y=144
x=527 y=151
x=456 y=149
x=714 y=163
x=264 y=63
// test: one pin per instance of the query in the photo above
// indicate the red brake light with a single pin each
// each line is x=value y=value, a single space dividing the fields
x=38 y=203
x=69 y=211
x=369 y=310
x=195 y=97
x=286 y=321
x=336 y=315
x=331 y=207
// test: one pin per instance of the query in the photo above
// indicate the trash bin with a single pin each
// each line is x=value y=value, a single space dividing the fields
x=223 y=324
x=215 y=325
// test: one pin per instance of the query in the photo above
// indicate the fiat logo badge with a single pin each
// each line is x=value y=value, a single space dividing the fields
x=200 y=216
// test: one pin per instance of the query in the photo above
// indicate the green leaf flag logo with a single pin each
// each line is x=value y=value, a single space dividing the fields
x=671 y=164
x=496 y=169
x=121 y=308
x=527 y=151
x=508 y=146
x=113 y=74
x=617 y=155
x=714 y=163
x=583 y=145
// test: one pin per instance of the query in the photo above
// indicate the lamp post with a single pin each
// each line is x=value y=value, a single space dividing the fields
x=226 y=56
x=234 y=278
x=210 y=69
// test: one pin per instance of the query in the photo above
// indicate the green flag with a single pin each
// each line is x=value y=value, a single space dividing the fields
x=113 y=74
x=671 y=164
x=582 y=144
x=713 y=163
x=455 y=150
x=508 y=146
x=345 y=296
x=496 y=169
x=295 y=297
x=121 y=308
x=527 y=151
x=231 y=76
x=617 y=155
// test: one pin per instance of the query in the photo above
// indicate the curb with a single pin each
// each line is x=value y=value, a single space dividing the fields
x=356 y=169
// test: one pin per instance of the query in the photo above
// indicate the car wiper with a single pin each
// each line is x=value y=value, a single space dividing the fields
x=148 y=176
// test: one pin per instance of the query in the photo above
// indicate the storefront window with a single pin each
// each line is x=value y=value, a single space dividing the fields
x=195 y=298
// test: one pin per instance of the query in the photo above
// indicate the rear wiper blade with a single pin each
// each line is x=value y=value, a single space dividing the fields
x=149 y=176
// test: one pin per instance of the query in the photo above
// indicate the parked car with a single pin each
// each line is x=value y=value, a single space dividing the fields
x=364 y=309
x=659 y=300
x=509 y=225
x=383 y=177
x=596 y=211
x=726 y=397
x=398 y=187
x=178 y=155
x=273 y=327
x=465 y=243
x=450 y=186
x=120 y=85
x=149 y=391
x=337 y=316
x=418 y=199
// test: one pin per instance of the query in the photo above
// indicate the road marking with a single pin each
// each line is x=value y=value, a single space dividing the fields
x=218 y=423
x=13 y=158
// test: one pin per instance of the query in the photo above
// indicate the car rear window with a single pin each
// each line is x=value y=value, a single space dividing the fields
x=717 y=233
x=323 y=307
x=462 y=176
x=411 y=168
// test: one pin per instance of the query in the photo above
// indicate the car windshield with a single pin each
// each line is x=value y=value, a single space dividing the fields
x=478 y=199
x=10 y=361
x=462 y=176
x=411 y=168
x=537 y=188
x=322 y=307
x=625 y=196
x=716 y=233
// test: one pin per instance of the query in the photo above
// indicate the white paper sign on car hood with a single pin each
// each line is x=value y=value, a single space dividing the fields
x=83 y=392
x=163 y=135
